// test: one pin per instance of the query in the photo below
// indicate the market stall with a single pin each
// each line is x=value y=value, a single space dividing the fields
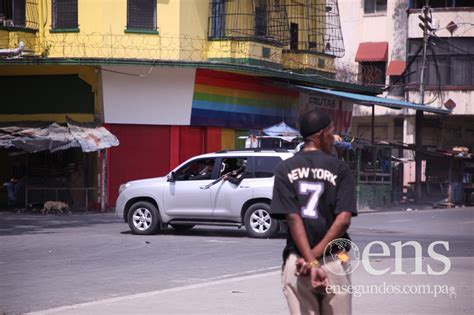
x=65 y=163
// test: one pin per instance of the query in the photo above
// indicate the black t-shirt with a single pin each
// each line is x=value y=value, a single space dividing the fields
x=316 y=185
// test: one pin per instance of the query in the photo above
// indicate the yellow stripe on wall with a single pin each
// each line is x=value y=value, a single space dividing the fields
x=60 y=118
x=228 y=139
x=214 y=90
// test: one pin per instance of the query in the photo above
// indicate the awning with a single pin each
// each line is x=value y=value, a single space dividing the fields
x=380 y=101
x=372 y=51
x=53 y=137
x=396 y=67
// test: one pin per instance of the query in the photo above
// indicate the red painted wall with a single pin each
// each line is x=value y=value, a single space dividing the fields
x=144 y=152
x=191 y=142
x=150 y=151
x=213 y=139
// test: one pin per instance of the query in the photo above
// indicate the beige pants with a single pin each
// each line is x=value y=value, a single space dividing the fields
x=303 y=299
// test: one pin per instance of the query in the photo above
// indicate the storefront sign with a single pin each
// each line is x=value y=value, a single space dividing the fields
x=340 y=110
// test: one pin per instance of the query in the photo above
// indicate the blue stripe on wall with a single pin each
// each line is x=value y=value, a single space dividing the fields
x=237 y=108
x=205 y=117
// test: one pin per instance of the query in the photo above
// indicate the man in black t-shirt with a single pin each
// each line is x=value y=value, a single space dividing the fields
x=314 y=191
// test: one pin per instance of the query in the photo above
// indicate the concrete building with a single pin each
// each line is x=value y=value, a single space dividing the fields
x=171 y=79
x=381 y=41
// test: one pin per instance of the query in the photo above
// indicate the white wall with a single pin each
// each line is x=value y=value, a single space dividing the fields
x=358 y=27
x=464 y=19
x=464 y=100
x=133 y=95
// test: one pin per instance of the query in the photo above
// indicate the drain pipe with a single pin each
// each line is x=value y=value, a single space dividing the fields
x=12 y=52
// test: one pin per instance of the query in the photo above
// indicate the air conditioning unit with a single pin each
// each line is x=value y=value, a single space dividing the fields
x=8 y=23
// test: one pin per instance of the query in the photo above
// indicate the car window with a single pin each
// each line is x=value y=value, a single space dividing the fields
x=264 y=166
x=232 y=164
x=200 y=169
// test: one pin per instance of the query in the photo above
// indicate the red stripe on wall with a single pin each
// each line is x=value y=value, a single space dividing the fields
x=143 y=153
x=239 y=82
x=213 y=139
x=191 y=142
x=174 y=146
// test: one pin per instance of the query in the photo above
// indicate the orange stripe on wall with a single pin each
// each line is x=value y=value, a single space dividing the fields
x=239 y=82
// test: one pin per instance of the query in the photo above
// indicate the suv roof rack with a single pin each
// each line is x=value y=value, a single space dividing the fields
x=255 y=150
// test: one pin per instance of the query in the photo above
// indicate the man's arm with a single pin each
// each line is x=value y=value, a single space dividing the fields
x=337 y=230
x=296 y=227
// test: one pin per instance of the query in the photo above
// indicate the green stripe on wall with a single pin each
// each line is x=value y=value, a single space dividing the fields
x=270 y=102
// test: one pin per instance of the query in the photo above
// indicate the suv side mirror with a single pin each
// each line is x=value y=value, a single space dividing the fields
x=171 y=177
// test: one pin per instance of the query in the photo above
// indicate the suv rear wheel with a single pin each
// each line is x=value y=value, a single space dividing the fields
x=258 y=222
x=143 y=218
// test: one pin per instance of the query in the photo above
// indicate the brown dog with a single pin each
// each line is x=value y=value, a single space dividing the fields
x=58 y=206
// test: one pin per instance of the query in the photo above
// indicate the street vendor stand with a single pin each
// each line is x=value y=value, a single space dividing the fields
x=58 y=163
x=372 y=169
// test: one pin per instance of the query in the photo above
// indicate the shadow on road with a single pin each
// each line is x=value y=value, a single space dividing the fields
x=202 y=231
x=13 y=223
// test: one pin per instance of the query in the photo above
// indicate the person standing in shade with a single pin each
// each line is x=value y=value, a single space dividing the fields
x=16 y=183
x=315 y=192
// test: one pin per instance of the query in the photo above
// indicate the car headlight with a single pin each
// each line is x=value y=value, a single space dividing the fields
x=123 y=187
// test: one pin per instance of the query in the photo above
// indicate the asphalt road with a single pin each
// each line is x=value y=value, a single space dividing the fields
x=51 y=261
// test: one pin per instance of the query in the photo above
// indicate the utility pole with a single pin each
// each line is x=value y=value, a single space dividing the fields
x=427 y=29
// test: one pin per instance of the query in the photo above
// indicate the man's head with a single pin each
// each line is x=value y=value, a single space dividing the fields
x=209 y=164
x=316 y=127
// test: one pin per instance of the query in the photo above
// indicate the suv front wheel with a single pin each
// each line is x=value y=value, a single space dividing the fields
x=143 y=218
x=258 y=222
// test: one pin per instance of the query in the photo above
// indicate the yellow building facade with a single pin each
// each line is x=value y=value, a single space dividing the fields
x=240 y=31
x=60 y=36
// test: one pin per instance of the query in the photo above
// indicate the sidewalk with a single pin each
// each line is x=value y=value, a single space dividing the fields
x=261 y=294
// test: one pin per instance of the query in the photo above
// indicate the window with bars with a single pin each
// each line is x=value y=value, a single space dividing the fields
x=451 y=65
x=260 y=20
x=13 y=11
x=372 y=72
x=65 y=14
x=315 y=27
x=375 y=6
x=141 y=14
x=418 y=4
x=217 y=21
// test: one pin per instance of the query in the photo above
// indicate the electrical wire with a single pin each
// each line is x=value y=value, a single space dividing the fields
x=403 y=75
x=446 y=42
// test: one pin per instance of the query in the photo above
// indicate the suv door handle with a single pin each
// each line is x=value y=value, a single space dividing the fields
x=241 y=186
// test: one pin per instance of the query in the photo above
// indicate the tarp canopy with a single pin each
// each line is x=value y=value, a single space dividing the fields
x=54 y=137
x=366 y=100
x=281 y=129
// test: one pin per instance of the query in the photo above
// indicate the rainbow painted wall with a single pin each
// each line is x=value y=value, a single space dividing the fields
x=231 y=100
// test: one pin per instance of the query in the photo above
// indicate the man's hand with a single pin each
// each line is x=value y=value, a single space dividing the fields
x=318 y=277
x=301 y=267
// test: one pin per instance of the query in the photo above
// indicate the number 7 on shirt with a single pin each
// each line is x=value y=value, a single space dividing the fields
x=314 y=190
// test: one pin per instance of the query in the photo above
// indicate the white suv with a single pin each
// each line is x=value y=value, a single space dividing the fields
x=194 y=193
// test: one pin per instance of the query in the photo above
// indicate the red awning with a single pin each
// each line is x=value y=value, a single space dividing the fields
x=396 y=67
x=372 y=51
